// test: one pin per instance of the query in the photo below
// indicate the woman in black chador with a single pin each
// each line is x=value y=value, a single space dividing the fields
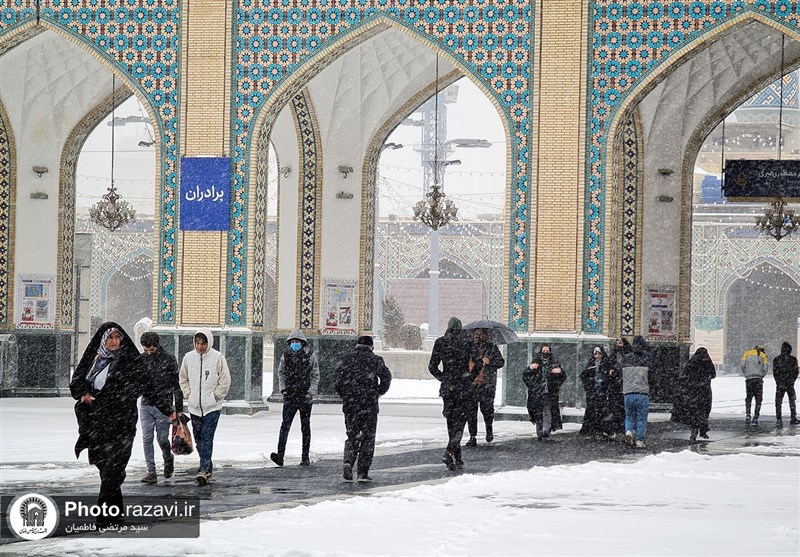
x=106 y=383
x=544 y=378
x=693 y=404
x=616 y=400
x=595 y=379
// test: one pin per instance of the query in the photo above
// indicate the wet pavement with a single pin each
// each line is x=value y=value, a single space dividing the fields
x=242 y=488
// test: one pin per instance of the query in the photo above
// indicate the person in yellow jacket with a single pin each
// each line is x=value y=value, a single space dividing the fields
x=754 y=368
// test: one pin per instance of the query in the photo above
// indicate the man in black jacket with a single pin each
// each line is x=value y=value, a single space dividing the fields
x=361 y=379
x=784 y=369
x=453 y=351
x=298 y=381
x=163 y=371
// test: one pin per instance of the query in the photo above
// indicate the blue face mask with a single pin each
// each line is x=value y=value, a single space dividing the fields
x=295 y=346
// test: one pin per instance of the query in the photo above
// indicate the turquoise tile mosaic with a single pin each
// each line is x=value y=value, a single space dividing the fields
x=630 y=42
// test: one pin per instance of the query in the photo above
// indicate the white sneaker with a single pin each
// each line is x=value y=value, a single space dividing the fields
x=629 y=438
x=640 y=445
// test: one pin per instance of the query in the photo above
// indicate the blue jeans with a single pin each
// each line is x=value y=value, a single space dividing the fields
x=204 y=428
x=152 y=418
x=636 y=408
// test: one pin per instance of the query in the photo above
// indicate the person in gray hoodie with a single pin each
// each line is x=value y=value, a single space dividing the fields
x=636 y=366
x=754 y=368
x=298 y=381
x=205 y=381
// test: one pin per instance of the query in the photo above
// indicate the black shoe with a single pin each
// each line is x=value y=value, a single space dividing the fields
x=473 y=442
x=693 y=436
x=150 y=478
x=448 y=460
x=347 y=472
x=794 y=421
x=459 y=464
x=305 y=462
x=169 y=467
x=489 y=436
x=363 y=478
x=704 y=434
x=276 y=458
x=779 y=423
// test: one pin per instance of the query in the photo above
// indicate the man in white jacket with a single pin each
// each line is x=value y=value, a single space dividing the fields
x=205 y=380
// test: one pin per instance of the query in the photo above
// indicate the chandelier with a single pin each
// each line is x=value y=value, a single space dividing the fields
x=437 y=211
x=111 y=211
x=778 y=221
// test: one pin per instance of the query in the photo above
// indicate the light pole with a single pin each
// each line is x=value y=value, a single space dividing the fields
x=436 y=212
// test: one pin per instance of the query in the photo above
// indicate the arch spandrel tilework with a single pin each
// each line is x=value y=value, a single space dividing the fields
x=139 y=38
x=630 y=43
x=274 y=44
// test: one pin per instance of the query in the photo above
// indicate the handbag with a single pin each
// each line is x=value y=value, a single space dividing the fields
x=181 y=436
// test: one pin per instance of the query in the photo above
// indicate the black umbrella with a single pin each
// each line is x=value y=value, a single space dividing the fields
x=495 y=332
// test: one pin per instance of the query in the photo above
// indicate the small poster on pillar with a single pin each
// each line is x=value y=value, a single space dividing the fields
x=338 y=306
x=205 y=193
x=34 y=307
x=659 y=312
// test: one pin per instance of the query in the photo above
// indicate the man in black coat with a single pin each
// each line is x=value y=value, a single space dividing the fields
x=784 y=369
x=452 y=351
x=106 y=383
x=361 y=379
x=163 y=371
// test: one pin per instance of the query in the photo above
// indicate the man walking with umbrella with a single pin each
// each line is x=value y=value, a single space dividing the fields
x=452 y=351
x=485 y=384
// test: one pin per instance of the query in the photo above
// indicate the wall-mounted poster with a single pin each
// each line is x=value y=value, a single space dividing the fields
x=34 y=308
x=659 y=312
x=338 y=306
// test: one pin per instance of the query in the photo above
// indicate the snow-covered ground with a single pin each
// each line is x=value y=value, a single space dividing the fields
x=665 y=504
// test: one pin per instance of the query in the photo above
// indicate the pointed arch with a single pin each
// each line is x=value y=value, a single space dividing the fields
x=146 y=58
x=261 y=97
x=618 y=86
x=65 y=273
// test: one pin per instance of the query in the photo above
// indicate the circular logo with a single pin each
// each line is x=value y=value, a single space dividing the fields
x=33 y=516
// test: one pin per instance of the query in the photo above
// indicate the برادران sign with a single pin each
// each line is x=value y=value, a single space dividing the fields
x=205 y=193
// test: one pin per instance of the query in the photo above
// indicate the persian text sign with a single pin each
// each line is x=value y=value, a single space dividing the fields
x=762 y=178
x=205 y=193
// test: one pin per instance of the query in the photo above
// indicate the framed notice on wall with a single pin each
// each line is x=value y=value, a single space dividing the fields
x=660 y=312
x=34 y=307
x=338 y=306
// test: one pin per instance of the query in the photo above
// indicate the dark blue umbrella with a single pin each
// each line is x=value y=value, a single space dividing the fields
x=495 y=332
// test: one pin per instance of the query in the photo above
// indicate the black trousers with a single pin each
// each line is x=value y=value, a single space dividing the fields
x=111 y=460
x=754 y=388
x=456 y=410
x=484 y=401
x=779 y=392
x=360 y=443
x=291 y=406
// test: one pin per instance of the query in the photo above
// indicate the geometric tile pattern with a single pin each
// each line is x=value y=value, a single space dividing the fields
x=281 y=45
x=7 y=193
x=139 y=38
x=309 y=233
x=629 y=41
x=259 y=231
x=771 y=95
x=631 y=168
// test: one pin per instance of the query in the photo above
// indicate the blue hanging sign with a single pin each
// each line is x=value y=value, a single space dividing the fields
x=205 y=193
x=751 y=180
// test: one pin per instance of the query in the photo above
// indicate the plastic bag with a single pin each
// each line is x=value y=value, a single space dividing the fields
x=181 y=436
